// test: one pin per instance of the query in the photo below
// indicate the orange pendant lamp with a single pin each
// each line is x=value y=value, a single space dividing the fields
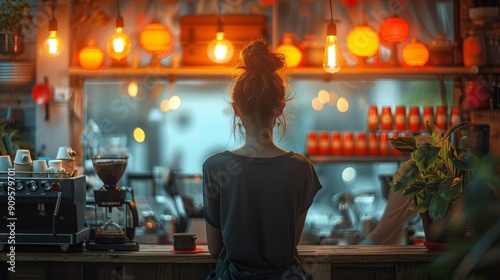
x=156 y=39
x=118 y=45
x=415 y=53
x=393 y=31
x=91 y=56
x=293 y=55
x=363 y=42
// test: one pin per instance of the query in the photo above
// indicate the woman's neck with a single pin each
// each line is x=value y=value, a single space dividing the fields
x=259 y=142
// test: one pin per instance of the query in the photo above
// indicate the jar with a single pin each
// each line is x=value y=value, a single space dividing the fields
x=440 y=51
x=372 y=119
x=312 y=143
x=441 y=118
x=324 y=143
x=373 y=143
x=414 y=119
x=336 y=143
x=361 y=145
x=348 y=143
x=475 y=49
x=386 y=118
x=428 y=116
x=492 y=45
x=312 y=50
x=455 y=117
x=383 y=148
x=400 y=118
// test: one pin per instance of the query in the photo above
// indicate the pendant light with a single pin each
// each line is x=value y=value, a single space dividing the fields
x=91 y=57
x=293 y=55
x=415 y=53
x=53 y=44
x=363 y=41
x=119 y=44
x=393 y=31
x=331 y=58
x=220 y=50
x=156 y=39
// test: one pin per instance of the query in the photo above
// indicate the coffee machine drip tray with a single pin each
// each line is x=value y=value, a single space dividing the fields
x=129 y=245
x=47 y=240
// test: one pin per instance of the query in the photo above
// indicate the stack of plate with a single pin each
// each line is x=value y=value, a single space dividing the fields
x=16 y=73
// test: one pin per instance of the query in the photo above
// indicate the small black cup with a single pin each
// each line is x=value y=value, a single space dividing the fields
x=184 y=241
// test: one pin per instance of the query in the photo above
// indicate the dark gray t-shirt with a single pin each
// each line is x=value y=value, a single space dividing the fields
x=256 y=203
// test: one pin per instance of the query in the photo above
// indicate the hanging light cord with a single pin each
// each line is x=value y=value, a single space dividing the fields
x=53 y=21
x=219 y=18
x=331 y=29
x=331 y=11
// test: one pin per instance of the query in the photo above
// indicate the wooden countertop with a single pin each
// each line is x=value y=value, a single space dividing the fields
x=163 y=254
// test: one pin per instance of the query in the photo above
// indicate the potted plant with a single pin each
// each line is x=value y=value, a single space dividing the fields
x=436 y=176
x=15 y=16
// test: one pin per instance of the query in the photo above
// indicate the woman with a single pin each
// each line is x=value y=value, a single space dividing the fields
x=256 y=197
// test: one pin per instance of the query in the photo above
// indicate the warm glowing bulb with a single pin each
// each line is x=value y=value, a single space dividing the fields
x=220 y=50
x=52 y=45
x=139 y=135
x=133 y=89
x=118 y=45
x=331 y=59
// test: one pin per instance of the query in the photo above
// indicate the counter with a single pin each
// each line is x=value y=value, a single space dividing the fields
x=158 y=262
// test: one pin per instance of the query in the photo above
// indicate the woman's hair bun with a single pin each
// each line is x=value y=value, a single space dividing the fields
x=258 y=57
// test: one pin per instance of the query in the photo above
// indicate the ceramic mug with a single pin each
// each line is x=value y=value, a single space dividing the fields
x=55 y=167
x=5 y=163
x=66 y=153
x=40 y=167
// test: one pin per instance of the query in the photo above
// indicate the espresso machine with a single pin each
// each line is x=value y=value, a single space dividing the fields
x=42 y=212
x=115 y=211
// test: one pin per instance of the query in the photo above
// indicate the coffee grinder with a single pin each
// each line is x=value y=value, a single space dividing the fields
x=111 y=199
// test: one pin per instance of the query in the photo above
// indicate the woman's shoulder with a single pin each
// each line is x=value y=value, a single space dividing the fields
x=216 y=157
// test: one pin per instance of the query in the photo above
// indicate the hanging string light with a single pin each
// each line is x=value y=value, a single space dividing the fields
x=53 y=44
x=331 y=58
x=220 y=50
x=119 y=44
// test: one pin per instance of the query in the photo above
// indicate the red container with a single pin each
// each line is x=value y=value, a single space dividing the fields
x=383 y=148
x=386 y=118
x=348 y=143
x=361 y=144
x=373 y=144
x=414 y=122
x=441 y=118
x=400 y=118
x=372 y=119
x=336 y=143
x=312 y=143
x=324 y=143
x=428 y=116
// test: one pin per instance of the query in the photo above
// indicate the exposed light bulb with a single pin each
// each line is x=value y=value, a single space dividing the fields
x=118 y=45
x=53 y=44
x=220 y=50
x=331 y=58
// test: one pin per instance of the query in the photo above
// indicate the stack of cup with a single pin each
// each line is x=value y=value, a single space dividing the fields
x=23 y=163
x=5 y=163
x=67 y=157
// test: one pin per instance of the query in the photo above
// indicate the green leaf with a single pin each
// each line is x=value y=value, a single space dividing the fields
x=466 y=160
x=437 y=207
x=450 y=188
x=426 y=155
x=455 y=128
x=414 y=188
x=435 y=132
x=405 y=145
x=406 y=174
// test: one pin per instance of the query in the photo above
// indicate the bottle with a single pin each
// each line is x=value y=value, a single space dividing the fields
x=383 y=148
x=348 y=143
x=428 y=116
x=324 y=143
x=393 y=150
x=386 y=118
x=361 y=146
x=373 y=144
x=455 y=117
x=414 y=119
x=336 y=143
x=475 y=48
x=400 y=118
x=312 y=143
x=372 y=119
x=441 y=118
x=441 y=51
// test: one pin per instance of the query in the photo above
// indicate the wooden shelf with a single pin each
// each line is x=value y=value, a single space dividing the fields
x=218 y=72
x=357 y=158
